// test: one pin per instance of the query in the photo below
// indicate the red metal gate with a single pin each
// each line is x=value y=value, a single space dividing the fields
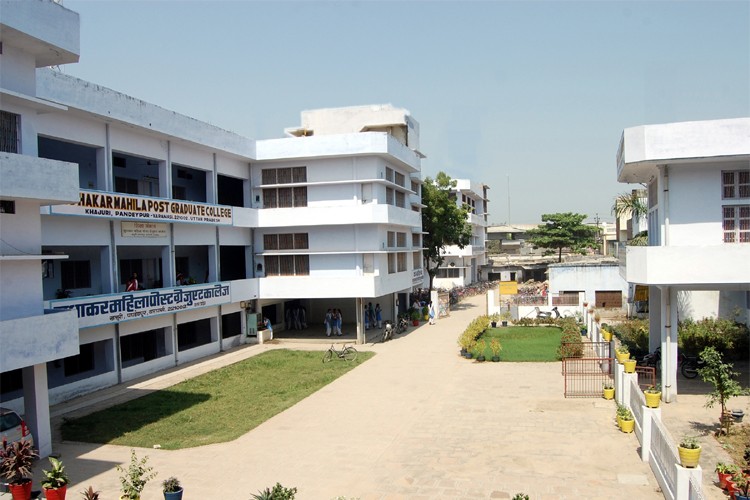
x=586 y=375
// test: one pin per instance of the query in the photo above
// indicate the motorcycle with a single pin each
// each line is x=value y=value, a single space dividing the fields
x=652 y=359
x=689 y=365
x=402 y=325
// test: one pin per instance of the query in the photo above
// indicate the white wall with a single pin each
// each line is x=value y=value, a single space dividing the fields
x=588 y=279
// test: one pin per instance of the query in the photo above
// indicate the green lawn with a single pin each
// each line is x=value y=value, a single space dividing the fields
x=525 y=343
x=216 y=407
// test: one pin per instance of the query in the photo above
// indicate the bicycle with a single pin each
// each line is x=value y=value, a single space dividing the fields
x=348 y=353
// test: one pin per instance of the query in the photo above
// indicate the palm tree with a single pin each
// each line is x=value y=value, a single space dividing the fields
x=631 y=204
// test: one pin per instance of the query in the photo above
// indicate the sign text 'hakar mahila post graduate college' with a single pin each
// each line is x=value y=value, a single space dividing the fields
x=126 y=206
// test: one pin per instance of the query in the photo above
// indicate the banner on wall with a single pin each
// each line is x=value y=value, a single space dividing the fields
x=129 y=206
x=134 y=229
x=116 y=308
x=508 y=288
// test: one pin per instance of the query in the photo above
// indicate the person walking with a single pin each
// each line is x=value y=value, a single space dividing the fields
x=338 y=322
x=367 y=317
x=432 y=314
x=267 y=323
x=328 y=321
x=378 y=315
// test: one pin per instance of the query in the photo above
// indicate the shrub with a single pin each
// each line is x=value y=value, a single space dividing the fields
x=634 y=334
x=725 y=335
x=277 y=493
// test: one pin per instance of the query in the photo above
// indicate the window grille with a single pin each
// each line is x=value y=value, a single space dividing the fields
x=401 y=240
x=302 y=265
x=299 y=174
x=300 y=196
x=391 y=263
x=400 y=199
x=269 y=198
x=735 y=184
x=389 y=196
x=285 y=198
x=286 y=241
x=286 y=265
x=389 y=174
x=736 y=224
x=399 y=179
x=272 y=265
x=401 y=261
x=284 y=176
x=301 y=240
x=9 y=136
x=270 y=242
x=391 y=239
x=268 y=176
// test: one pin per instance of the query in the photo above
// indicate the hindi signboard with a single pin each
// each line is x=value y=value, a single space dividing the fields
x=106 y=309
x=130 y=206
x=131 y=229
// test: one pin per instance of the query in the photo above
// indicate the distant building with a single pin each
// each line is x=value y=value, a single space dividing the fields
x=697 y=262
x=463 y=266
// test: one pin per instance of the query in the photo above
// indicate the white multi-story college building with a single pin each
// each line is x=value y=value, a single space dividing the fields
x=463 y=266
x=220 y=230
x=697 y=263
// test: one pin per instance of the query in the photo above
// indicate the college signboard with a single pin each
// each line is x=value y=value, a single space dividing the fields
x=129 y=206
x=106 y=309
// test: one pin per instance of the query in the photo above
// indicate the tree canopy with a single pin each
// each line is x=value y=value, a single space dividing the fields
x=444 y=222
x=563 y=230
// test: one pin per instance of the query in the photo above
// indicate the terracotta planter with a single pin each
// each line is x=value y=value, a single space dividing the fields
x=689 y=457
x=629 y=366
x=56 y=494
x=20 y=491
x=723 y=477
x=652 y=399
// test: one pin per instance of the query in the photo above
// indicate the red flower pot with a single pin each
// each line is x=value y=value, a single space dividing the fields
x=723 y=479
x=56 y=494
x=20 y=491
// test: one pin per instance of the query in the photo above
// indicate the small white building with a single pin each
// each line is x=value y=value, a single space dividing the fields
x=463 y=266
x=220 y=230
x=697 y=263
x=596 y=281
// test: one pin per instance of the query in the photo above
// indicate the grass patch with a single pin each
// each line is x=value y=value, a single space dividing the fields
x=215 y=407
x=525 y=343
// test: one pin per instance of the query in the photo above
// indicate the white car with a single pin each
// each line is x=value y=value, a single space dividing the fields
x=13 y=428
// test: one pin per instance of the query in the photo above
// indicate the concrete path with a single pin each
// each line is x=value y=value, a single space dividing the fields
x=415 y=422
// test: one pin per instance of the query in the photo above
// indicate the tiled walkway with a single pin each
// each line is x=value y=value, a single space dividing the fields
x=416 y=421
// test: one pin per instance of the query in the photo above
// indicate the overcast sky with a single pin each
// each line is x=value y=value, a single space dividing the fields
x=529 y=98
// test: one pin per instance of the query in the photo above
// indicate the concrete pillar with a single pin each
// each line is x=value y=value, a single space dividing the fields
x=619 y=382
x=669 y=360
x=36 y=407
x=649 y=415
x=684 y=474
x=358 y=307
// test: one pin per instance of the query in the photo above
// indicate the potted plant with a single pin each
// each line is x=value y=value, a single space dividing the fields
x=480 y=347
x=415 y=317
x=134 y=478
x=725 y=472
x=505 y=317
x=606 y=335
x=741 y=486
x=622 y=353
x=55 y=482
x=172 y=489
x=609 y=390
x=495 y=347
x=690 y=452
x=472 y=342
x=627 y=422
x=494 y=318
x=629 y=365
x=653 y=396
x=426 y=313
x=738 y=415
x=16 y=460
x=620 y=412
x=90 y=494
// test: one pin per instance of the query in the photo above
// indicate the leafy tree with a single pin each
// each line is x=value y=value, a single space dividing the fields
x=444 y=222
x=563 y=230
x=722 y=377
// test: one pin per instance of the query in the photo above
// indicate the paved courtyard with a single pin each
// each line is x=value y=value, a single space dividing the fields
x=416 y=421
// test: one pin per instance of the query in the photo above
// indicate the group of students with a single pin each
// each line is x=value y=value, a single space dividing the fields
x=332 y=322
x=373 y=316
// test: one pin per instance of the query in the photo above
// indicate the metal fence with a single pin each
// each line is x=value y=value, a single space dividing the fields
x=585 y=377
x=646 y=377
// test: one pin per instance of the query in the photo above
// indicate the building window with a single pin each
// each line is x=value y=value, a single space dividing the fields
x=389 y=174
x=399 y=179
x=285 y=197
x=416 y=260
x=388 y=196
x=287 y=175
x=736 y=224
x=415 y=241
x=415 y=187
x=75 y=274
x=391 y=239
x=391 y=263
x=9 y=136
x=130 y=266
x=285 y=241
x=7 y=207
x=735 y=184
x=448 y=272
x=400 y=199
x=401 y=261
x=287 y=265
x=401 y=240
